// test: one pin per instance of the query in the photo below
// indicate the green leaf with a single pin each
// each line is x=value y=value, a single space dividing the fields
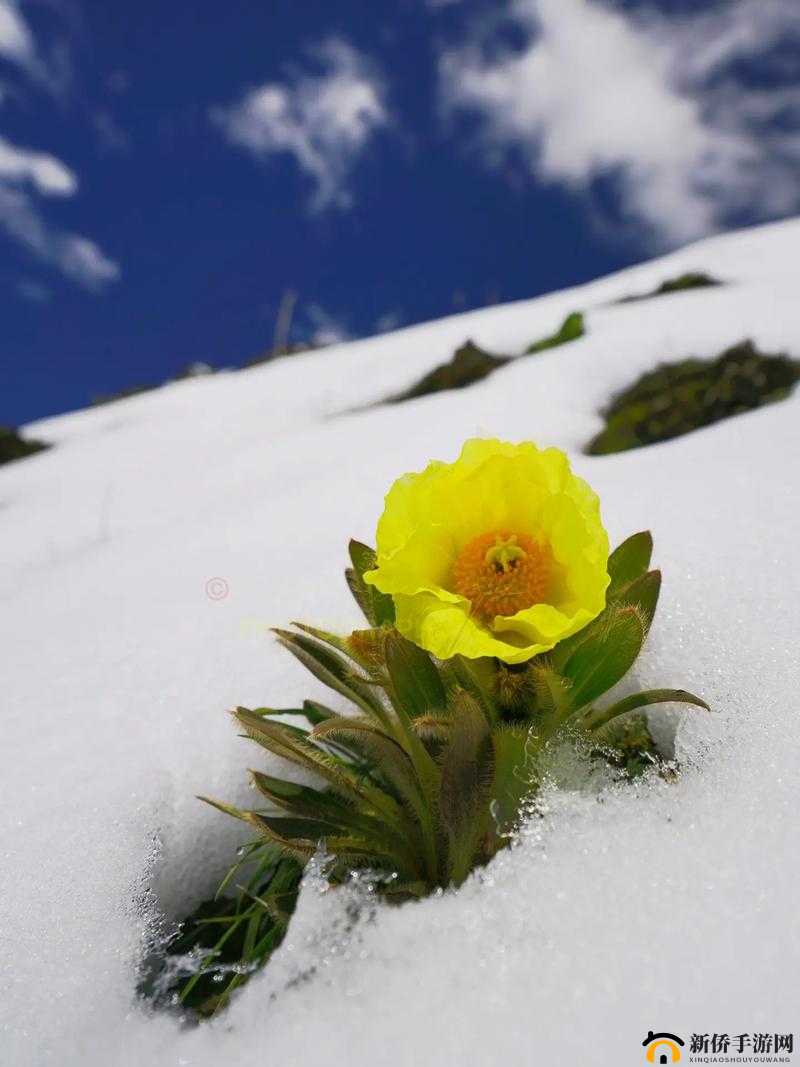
x=387 y=756
x=410 y=696
x=265 y=713
x=559 y=656
x=312 y=711
x=316 y=712
x=629 y=561
x=477 y=677
x=362 y=557
x=416 y=682
x=300 y=799
x=642 y=593
x=282 y=741
x=467 y=775
x=605 y=656
x=353 y=851
x=301 y=850
x=323 y=636
x=515 y=747
x=378 y=608
x=348 y=646
x=396 y=769
x=295 y=827
x=298 y=838
x=553 y=693
x=333 y=671
x=362 y=593
x=394 y=766
x=226 y=809
x=435 y=727
x=598 y=718
x=340 y=818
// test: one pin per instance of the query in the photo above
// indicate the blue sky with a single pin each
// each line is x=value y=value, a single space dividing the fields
x=168 y=171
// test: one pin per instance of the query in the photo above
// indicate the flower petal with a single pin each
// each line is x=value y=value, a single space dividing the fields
x=494 y=486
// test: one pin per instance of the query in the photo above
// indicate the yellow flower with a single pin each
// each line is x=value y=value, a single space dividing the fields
x=502 y=553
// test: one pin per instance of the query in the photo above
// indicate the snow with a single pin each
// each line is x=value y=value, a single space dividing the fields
x=665 y=906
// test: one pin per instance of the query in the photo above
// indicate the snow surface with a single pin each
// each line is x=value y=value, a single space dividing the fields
x=671 y=907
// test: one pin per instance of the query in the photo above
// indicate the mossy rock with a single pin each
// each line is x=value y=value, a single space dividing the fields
x=690 y=280
x=677 y=398
x=571 y=329
x=13 y=446
x=471 y=364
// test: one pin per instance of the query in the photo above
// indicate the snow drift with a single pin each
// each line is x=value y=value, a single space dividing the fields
x=664 y=906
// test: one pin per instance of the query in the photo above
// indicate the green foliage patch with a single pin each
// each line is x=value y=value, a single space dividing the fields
x=218 y=946
x=677 y=398
x=14 y=446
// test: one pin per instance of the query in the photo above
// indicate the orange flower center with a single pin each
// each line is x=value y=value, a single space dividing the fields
x=502 y=573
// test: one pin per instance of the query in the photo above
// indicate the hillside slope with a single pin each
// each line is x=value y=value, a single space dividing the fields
x=669 y=907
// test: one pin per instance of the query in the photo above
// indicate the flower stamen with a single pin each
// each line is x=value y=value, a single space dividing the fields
x=504 y=553
x=501 y=573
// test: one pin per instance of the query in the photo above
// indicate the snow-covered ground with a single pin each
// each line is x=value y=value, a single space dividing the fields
x=668 y=907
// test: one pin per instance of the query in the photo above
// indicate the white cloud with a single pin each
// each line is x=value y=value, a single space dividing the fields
x=26 y=173
x=84 y=261
x=52 y=71
x=16 y=41
x=325 y=329
x=709 y=41
x=644 y=100
x=47 y=173
x=75 y=256
x=324 y=120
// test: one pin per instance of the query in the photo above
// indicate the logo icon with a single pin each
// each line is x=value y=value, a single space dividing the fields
x=663 y=1046
x=217 y=589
